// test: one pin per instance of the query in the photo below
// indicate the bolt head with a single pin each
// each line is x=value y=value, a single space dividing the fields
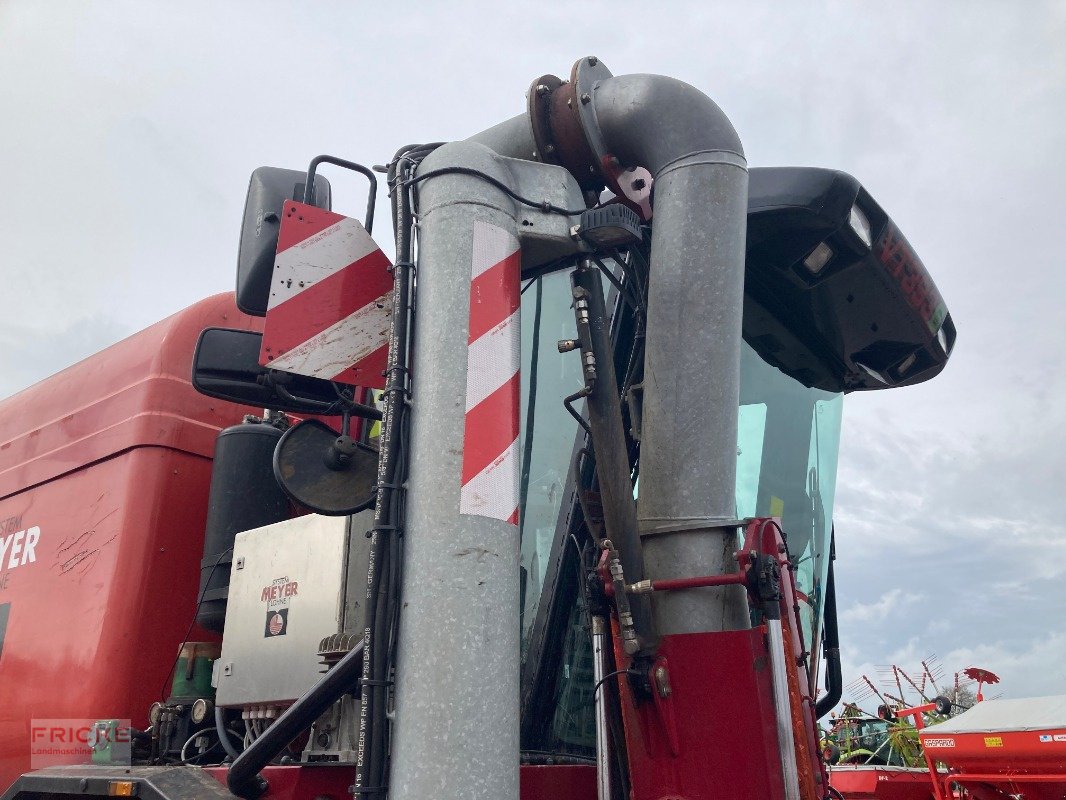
x=586 y=98
x=593 y=61
x=542 y=89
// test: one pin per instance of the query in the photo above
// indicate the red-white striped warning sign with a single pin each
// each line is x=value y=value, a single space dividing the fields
x=490 y=436
x=330 y=300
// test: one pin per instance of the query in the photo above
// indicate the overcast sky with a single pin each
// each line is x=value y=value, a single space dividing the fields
x=128 y=131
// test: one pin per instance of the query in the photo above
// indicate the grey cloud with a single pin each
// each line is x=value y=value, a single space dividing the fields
x=32 y=354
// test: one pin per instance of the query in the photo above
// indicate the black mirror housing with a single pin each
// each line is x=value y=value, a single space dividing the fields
x=226 y=366
x=268 y=190
x=834 y=294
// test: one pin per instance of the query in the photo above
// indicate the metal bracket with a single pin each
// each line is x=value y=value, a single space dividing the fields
x=634 y=398
x=691 y=525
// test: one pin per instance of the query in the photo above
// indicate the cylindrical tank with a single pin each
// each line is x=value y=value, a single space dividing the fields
x=244 y=495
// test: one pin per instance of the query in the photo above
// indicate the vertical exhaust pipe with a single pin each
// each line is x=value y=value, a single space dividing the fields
x=692 y=355
x=456 y=726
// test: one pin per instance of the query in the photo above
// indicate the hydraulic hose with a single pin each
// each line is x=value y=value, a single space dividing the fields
x=834 y=677
x=223 y=736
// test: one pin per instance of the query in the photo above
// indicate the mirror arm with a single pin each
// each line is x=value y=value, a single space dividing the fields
x=366 y=412
x=309 y=185
x=355 y=409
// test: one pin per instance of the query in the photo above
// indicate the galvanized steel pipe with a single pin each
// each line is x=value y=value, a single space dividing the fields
x=692 y=355
x=456 y=733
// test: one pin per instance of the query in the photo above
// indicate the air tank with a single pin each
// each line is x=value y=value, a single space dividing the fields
x=244 y=495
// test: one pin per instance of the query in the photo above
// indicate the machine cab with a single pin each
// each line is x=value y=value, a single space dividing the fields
x=836 y=301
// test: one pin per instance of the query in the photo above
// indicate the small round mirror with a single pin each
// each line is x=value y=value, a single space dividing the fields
x=324 y=471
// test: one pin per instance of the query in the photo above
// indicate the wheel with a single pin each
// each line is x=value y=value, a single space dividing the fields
x=943 y=705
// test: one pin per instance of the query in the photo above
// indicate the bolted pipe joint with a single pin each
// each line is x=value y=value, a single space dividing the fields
x=653 y=121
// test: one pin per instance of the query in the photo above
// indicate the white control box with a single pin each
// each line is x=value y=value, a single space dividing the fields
x=286 y=594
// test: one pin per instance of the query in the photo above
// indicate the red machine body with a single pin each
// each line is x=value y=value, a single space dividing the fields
x=104 y=475
x=866 y=782
x=700 y=726
x=538 y=782
x=1001 y=748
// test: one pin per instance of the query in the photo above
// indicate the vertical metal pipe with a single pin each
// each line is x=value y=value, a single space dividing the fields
x=600 y=644
x=692 y=361
x=692 y=356
x=783 y=716
x=456 y=732
x=692 y=388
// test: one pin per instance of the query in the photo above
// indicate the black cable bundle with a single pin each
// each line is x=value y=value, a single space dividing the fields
x=383 y=579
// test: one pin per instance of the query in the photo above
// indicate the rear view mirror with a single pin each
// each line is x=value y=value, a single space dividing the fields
x=835 y=295
x=268 y=190
x=226 y=366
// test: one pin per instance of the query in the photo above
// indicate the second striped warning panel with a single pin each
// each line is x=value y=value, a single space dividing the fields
x=490 y=435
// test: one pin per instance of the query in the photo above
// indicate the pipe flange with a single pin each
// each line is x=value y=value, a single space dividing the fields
x=559 y=131
x=632 y=186
x=540 y=102
x=584 y=77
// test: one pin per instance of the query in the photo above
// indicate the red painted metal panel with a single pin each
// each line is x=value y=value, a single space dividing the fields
x=556 y=782
x=110 y=462
x=1007 y=751
x=134 y=393
x=881 y=783
x=997 y=786
x=722 y=721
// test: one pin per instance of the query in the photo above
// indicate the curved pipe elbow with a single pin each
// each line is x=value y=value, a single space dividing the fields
x=652 y=120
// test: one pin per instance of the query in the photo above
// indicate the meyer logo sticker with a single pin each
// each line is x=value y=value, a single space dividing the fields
x=279 y=592
x=278 y=595
x=277 y=623
x=17 y=547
